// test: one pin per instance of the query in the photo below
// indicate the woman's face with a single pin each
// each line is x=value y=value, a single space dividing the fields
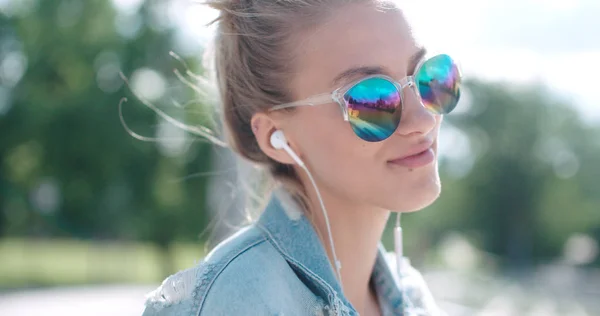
x=361 y=172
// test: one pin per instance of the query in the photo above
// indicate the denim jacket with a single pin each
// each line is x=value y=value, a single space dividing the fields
x=278 y=266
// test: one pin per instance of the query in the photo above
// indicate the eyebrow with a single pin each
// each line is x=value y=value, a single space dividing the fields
x=373 y=70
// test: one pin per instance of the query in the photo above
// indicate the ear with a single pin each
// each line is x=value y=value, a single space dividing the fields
x=263 y=126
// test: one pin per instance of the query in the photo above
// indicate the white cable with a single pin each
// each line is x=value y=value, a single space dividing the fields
x=398 y=247
x=278 y=141
x=337 y=263
x=398 y=244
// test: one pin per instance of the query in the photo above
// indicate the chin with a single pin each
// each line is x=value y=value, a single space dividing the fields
x=422 y=201
x=420 y=194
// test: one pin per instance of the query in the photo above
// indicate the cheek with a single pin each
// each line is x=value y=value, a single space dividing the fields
x=332 y=150
x=326 y=137
x=352 y=169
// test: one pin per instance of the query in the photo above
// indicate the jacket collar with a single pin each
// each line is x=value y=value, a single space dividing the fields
x=295 y=237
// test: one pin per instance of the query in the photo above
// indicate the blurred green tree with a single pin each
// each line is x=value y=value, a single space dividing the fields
x=68 y=167
x=524 y=181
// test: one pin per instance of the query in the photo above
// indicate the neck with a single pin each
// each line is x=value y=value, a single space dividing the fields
x=356 y=231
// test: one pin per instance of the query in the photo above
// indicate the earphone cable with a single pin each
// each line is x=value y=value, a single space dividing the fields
x=337 y=263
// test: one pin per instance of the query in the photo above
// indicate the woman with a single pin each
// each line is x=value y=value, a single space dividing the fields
x=341 y=106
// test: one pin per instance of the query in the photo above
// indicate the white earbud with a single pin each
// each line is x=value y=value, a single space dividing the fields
x=278 y=141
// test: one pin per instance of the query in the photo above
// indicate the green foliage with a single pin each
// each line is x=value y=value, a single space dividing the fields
x=68 y=168
x=531 y=185
x=29 y=262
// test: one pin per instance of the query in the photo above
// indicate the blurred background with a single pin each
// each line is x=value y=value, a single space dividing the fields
x=92 y=218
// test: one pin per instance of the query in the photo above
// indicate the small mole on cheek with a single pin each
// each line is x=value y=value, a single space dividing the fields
x=410 y=169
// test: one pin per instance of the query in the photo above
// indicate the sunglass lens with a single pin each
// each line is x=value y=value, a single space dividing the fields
x=374 y=108
x=438 y=81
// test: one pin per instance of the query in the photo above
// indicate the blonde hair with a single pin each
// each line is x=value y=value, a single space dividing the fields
x=253 y=62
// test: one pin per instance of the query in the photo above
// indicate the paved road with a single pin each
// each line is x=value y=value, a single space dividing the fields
x=76 y=301
x=487 y=298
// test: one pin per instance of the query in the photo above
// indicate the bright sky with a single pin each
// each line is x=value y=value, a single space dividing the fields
x=553 y=41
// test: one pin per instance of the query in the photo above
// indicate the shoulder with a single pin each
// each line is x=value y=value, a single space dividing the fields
x=245 y=269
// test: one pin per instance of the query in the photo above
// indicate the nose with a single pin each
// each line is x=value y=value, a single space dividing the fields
x=416 y=119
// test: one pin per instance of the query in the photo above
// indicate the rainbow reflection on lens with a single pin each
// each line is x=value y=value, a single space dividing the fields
x=438 y=82
x=374 y=108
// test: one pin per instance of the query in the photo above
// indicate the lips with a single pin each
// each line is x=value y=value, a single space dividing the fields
x=419 y=156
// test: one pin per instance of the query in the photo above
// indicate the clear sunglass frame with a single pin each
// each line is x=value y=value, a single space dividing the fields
x=337 y=95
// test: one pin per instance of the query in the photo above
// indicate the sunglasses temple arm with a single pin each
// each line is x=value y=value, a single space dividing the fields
x=312 y=101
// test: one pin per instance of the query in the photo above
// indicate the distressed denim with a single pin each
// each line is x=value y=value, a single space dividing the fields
x=278 y=266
